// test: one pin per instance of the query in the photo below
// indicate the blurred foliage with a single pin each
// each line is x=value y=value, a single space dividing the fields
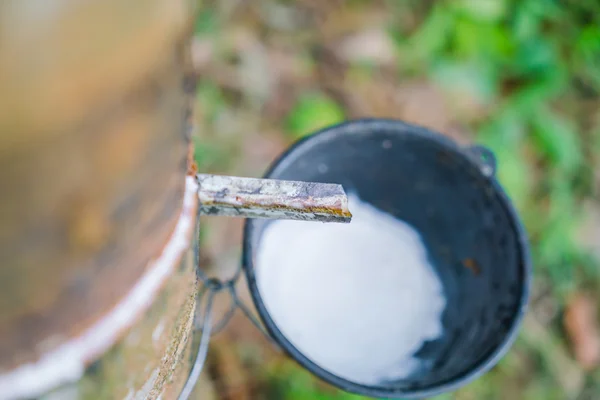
x=523 y=58
x=288 y=382
x=533 y=69
x=311 y=113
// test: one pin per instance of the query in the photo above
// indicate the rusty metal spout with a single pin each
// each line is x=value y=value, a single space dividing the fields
x=272 y=198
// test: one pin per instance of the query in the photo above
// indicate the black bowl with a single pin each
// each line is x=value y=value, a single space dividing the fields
x=473 y=235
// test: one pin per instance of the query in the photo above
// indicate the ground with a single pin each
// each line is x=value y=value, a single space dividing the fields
x=521 y=77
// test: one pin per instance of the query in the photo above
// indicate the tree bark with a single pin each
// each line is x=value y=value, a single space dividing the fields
x=94 y=149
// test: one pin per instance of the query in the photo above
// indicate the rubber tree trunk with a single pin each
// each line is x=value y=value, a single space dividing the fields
x=97 y=281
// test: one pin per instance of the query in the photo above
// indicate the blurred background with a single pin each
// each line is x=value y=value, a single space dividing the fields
x=519 y=76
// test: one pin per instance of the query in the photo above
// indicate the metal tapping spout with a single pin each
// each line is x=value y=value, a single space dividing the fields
x=272 y=198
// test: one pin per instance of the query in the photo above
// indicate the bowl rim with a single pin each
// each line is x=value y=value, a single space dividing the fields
x=362 y=126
